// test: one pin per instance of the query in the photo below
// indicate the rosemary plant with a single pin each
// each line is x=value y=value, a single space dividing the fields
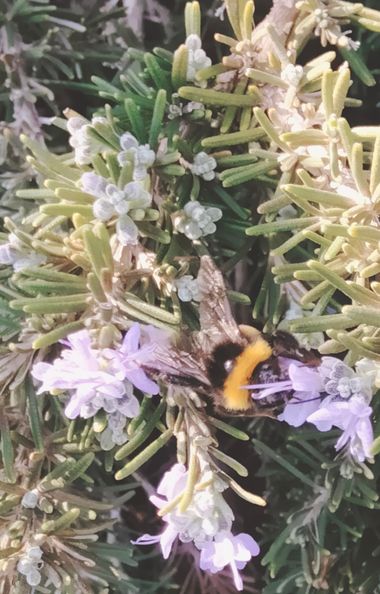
x=240 y=159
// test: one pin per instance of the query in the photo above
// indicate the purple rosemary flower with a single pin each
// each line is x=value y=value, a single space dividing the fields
x=227 y=549
x=353 y=417
x=331 y=395
x=98 y=378
x=207 y=523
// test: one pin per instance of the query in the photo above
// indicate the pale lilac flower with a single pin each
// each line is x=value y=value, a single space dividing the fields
x=306 y=385
x=157 y=336
x=227 y=549
x=196 y=220
x=331 y=395
x=353 y=417
x=206 y=516
x=15 y=253
x=207 y=522
x=98 y=378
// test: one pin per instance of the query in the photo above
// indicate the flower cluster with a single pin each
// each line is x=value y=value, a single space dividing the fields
x=114 y=433
x=30 y=564
x=140 y=156
x=125 y=205
x=329 y=30
x=207 y=522
x=187 y=288
x=14 y=253
x=196 y=220
x=84 y=143
x=197 y=58
x=330 y=395
x=204 y=165
x=99 y=379
x=292 y=74
x=177 y=108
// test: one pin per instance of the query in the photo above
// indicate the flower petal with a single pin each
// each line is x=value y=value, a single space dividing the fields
x=297 y=411
x=141 y=381
x=131 y=340
x=167 y=538
x=246 y=547
x=147 y=539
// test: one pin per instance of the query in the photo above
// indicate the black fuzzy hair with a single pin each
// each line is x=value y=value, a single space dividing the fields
x=216 y=372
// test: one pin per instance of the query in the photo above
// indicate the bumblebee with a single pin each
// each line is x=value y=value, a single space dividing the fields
x=223 y=357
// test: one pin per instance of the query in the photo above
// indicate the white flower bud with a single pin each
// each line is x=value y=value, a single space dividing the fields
x=128 y=141
x=30 y=499
x=25 y=565
x=193 y=42
x=193 y=105
x=292 y=75
x=29 y=565
x=33 y=578
x=196 y=220
x=140 y=156
x=144 y=156
x=204 y=166
x=114 y=194
x=175 y=111
x=187 y=288
x=106 y=441
x=103 y=210
x=75 y=124
x=85 y=146
x=114 y=434
x=35 y=553
x=93 y=184
x=126 y=230
x=137 y=195
x=197 y=58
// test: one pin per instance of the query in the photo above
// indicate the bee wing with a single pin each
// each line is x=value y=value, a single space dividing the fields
x=171 y=361
x=216 y=318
